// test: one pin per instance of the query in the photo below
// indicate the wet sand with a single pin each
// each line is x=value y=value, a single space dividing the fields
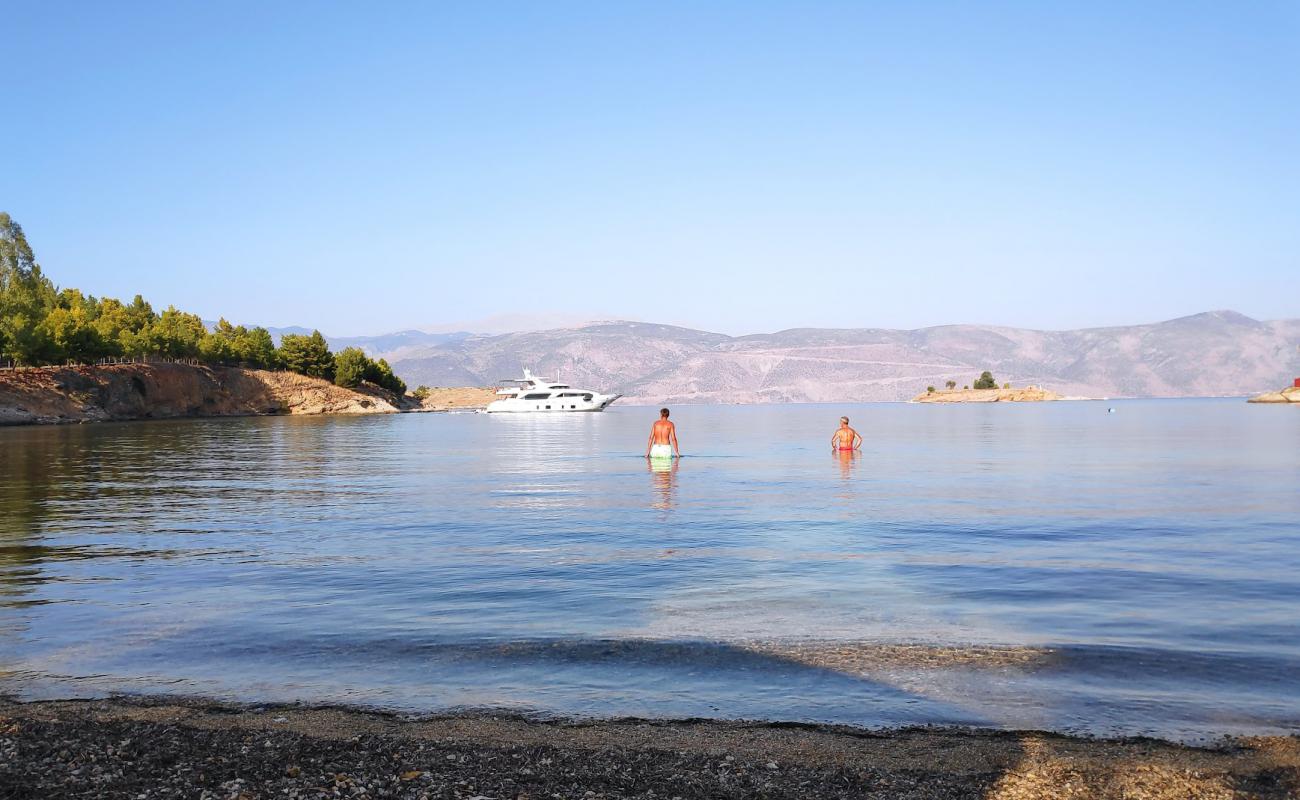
x=164 y=748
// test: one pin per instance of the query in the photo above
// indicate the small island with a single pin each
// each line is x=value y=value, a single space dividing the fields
x=985 y=390
x=1288 y=395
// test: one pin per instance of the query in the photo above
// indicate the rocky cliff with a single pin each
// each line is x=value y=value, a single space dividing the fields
x=160 y=391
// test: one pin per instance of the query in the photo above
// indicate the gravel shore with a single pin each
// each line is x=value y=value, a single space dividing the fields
x=168 y=748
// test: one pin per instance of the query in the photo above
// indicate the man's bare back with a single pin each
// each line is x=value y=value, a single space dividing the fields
x=662 y=432
x=845 y=438
x=663 y=437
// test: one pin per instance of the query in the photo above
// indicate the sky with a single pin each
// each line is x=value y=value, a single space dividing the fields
x=734 y=166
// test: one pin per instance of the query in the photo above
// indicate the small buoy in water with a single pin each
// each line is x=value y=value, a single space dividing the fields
x=1110 y=411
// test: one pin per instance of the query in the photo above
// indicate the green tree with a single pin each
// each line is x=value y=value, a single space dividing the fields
x=41 y=325
x=175 y=334
x=951 y=385
x=26 y=297
x=986 y=381
x=126 y=327
x=351 y=367
x=71 y=330
x=139 y=315
x=110 y=321
x=221 y=344
x=257 y=349
x=421 y=392
x=929 y=390
x=307 y=355
x=16 y=254
x=382 y=374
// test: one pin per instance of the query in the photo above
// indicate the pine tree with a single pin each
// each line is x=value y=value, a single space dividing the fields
x=257 y=349
x=26 y=297
x=351 y=367
x=307 y=355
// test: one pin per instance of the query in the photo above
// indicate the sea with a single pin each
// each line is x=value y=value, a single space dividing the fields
x=1108 y=568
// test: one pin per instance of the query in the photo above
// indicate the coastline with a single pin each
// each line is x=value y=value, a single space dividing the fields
x=172 y=747
x=164 y=390
x=126 y=392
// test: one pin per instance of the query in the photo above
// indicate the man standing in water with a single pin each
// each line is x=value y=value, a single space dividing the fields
x=845 y=438
x=663 y=438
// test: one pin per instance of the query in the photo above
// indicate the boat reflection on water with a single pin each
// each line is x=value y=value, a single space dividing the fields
x=663 y=475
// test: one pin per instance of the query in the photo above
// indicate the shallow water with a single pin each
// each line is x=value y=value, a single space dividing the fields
x=1032 y=566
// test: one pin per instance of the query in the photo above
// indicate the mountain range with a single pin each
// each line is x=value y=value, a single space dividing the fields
x=1217 y=353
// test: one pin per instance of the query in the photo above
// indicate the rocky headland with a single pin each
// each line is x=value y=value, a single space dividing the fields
x=1029 y=394
x=1289 y=395
x=51 y=395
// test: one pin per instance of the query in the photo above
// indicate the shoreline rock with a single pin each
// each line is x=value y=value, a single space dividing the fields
x=1289 y=395
x=76 y=394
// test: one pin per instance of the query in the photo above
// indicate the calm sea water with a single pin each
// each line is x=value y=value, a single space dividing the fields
x=1030 y=566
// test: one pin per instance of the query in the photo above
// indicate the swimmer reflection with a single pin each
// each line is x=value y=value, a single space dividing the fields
x=848 y=461
x=663 y=475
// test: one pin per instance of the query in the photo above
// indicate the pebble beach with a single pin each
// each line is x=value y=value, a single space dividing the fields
x=165 y=748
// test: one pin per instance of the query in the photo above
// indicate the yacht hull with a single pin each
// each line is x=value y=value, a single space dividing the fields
x=552 y=406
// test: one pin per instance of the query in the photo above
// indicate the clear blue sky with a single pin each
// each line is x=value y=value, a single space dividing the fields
x=741 y=167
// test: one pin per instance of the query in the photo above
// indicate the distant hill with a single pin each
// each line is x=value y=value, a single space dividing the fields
x=1218 y=353
x=384 y=345
x=389 y=345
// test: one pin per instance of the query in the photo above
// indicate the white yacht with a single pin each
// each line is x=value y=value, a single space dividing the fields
x=534 y=394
